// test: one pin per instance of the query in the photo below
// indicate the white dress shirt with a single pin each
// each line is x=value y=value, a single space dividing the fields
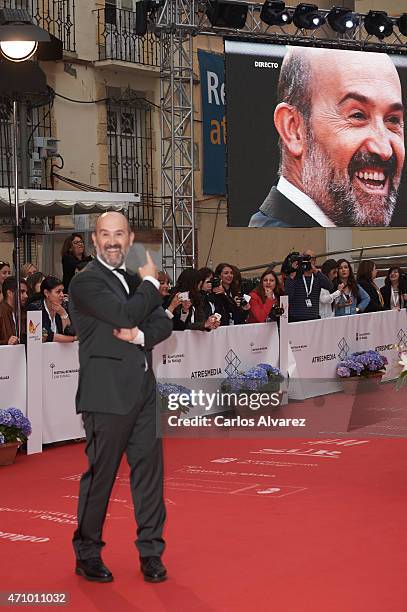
x=300 y=199
x=139 y=339
x=53 y=324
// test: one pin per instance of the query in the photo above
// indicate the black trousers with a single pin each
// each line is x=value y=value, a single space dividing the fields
x=108 y=437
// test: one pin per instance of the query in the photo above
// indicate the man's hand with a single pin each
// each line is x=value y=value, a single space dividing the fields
x=127 y=335
x=12 y=340
x=149 y=268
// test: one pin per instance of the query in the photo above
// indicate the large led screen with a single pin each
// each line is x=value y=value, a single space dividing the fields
x=315 y=136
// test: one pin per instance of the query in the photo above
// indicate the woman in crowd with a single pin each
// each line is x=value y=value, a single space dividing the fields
x=34 y=287
x=264 y=297
x=353 y=298
x=366 y=276
x=190 y=313
x=394 y=292
x=326 y=298
x=27 y=269
x=5 y=272
x=73 y=252
x=55 y=319
x=229 y=290
x=169 y=304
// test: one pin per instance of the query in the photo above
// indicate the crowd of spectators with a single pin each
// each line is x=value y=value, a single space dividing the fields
x=205 y=299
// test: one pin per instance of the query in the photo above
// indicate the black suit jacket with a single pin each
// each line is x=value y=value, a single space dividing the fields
x=279 y=211
x=374 y=304
x=111 y=370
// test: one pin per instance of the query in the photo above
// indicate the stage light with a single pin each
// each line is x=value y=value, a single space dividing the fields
x=274 y=13
x=227 y=14
x=402 y=24
x=379 y=24
x=342 y=19
x=307 y=17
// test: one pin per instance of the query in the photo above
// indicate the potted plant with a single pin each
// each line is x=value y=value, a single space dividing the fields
x=361 y=366
x=14 y=431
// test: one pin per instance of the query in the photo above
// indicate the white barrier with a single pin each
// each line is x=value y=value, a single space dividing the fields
x=192 y=357
x=13 y=378
x=315 y=347
x=60 y=368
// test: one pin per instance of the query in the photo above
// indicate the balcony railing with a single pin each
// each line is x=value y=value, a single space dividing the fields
x=55 y=16
x=117 y=39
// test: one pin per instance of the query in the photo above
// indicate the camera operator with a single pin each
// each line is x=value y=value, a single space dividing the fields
x=265 y=299
x=303 y=286
x=226 y=285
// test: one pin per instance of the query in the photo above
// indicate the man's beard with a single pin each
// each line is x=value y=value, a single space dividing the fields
x=332 y=189
x=112 y=259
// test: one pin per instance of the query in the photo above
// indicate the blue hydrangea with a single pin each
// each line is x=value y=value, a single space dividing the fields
x=361 y=363
x=166 y=389
x=6 y=418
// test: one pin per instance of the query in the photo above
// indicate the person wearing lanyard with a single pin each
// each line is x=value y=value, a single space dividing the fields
x=303 y=289
x=55 y=319
x=394 y=292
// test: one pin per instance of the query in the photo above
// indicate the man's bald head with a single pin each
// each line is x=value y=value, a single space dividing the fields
x=112 y=238
x=112 y=219
x=305 y=70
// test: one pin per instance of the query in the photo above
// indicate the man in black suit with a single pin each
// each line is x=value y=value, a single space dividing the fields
x=341 y=129
x=118 y=319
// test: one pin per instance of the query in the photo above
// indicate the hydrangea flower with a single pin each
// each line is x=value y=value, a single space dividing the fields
x=360 y=364
x=14 y=426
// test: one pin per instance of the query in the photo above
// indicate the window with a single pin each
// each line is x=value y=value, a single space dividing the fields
x=129 y=130
x=35 y=170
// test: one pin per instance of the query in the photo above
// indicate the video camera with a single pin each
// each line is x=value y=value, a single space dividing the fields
x=275 y=313
x=303 y=263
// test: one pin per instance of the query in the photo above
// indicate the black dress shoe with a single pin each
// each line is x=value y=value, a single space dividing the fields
x=93 y=569
x=153 y=569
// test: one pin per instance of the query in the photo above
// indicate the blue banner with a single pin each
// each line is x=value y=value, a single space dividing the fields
x=212 y=73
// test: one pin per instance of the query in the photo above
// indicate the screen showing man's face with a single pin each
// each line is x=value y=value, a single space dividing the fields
x=354 y=152
x=325 y=144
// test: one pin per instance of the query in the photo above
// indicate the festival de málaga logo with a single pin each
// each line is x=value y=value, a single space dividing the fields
x=32 y=328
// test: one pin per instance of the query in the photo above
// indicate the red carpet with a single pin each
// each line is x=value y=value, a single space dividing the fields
x=283 y=530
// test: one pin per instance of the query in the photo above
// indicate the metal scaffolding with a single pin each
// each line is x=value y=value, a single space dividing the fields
x=177 y=23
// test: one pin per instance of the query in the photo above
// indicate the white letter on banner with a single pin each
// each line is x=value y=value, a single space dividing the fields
x=213 y=82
